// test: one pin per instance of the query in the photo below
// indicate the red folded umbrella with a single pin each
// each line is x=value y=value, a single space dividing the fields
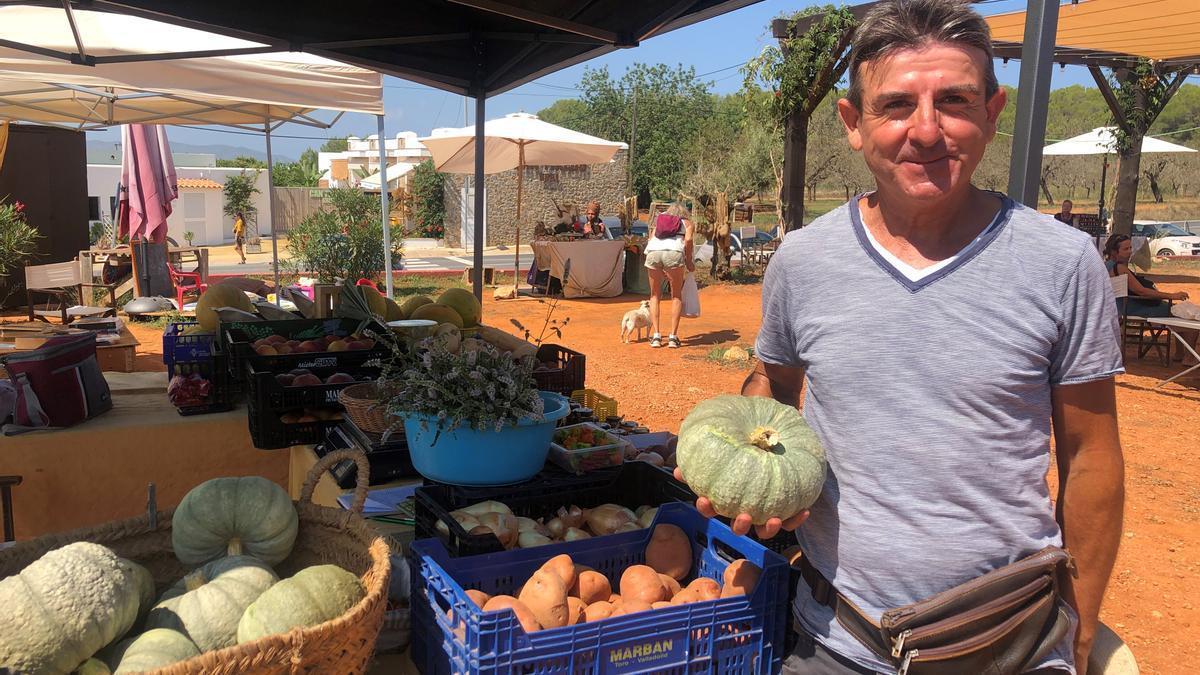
x=148 y=183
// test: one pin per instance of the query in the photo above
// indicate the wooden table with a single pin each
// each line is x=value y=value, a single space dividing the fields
x=98 y=471
x=118 y=357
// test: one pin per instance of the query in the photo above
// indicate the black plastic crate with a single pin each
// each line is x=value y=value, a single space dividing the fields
x=270 y=396
x=237 y=338
x=565 y=369
x=631 y=484
x=389 y=462
x=215 y=370
x=269 y=433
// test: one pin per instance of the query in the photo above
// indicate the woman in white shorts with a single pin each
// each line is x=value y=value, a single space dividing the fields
x=668 y=255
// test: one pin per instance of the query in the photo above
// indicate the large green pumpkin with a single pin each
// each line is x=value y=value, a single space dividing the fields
x=753 y=455
x=145 y=587
x=234 y=516
x=313 y=595
x=153 y=649
x=207 y=604
x=63 y=607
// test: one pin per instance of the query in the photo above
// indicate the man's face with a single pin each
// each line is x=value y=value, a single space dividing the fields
x=925 y=119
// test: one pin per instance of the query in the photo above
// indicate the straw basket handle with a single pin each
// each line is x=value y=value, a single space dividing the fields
x=363 y=476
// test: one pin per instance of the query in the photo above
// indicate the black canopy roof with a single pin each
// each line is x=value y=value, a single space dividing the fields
x=469 y=47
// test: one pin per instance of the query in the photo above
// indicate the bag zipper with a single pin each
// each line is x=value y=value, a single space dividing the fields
x=1001 y=604
x=974 y=643
x=56 y=350
x=1046 y=558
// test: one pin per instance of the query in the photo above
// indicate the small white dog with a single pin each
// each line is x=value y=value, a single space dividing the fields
x=636 y=319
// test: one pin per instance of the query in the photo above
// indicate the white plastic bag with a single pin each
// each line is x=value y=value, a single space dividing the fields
x=691 y=297
x=1183 y=310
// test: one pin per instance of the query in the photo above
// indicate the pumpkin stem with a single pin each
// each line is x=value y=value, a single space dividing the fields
x=764 y=438
x=194 y=580
x=235 y=546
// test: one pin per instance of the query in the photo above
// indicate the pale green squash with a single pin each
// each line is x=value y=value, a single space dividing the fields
x=93 y=667
x=234 y=516
x=156 y=648
x=64 y=607
x=313 y=595
x=145 y=587
x=207 y=604
x=753 y=455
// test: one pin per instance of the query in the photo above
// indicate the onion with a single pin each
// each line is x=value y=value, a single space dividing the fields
x=575 y=534
x=628 y=527
x=650 y=457
x=486 y=507
x=646 y=517
x=556 y=527
x=571 y=517
x=503 y=525
x=642 y=509
x=466 y=521
x=607 y=518
x=530 y=525
x=530 y=539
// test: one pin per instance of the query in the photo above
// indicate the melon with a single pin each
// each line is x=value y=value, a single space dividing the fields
x=464 y=302
x=221 y=295
x=411 y=303
x=393 y=313
x=752 y=455
x=375 y=300
x=438 y=313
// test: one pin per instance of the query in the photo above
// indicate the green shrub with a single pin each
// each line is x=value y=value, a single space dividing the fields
x=429 y=206
x=18 y=241
x=343 y=241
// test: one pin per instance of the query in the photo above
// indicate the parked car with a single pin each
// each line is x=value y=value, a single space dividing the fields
x=1167 y=238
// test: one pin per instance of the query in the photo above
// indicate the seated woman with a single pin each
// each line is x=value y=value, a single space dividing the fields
x=593 y=225
x=1144 y=299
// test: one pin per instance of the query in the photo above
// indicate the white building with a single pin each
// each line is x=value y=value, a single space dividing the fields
x=360 y=159
x=200 y=208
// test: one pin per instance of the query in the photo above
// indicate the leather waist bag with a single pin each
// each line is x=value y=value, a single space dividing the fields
x=998 y=624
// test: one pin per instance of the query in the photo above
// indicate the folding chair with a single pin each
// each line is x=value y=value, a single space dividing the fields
x=185 y=282
x=1136 y=329
x=57 y=280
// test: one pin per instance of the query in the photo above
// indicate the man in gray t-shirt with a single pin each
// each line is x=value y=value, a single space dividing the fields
x=940 y=330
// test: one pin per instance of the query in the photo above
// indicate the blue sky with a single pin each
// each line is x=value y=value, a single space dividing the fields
x=710 y=47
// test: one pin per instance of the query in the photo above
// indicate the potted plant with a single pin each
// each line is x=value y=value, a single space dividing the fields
x=472 y=414
x=189 y=236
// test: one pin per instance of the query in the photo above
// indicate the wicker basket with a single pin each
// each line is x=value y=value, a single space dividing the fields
x=362 y=404
x=326 y=535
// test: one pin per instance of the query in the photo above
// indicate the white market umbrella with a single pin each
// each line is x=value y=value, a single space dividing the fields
x=394 y=173
x=1103 y=141
x=516 y=141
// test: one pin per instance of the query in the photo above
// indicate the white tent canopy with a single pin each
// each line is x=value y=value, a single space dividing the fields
x=38 y=85
x=394 y=173
x=1103 y=141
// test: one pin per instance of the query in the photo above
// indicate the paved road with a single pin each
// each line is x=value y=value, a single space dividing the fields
x=503 y=261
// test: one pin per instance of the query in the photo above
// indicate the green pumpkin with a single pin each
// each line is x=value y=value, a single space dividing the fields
x=234 y=516
x=313 y=595
x=153 y=649
x=64 y=607
x=207 y=604
x=753 y=455
x=145 y=587
x=93 y=667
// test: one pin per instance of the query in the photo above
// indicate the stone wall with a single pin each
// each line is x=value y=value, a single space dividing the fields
x=543 y=186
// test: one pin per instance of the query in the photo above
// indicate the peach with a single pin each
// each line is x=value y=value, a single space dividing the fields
x=339 y=378
x=336 y=346
x=306 y=380
x=265 y=350
x=285 y=379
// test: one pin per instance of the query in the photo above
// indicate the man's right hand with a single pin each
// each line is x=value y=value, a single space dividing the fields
x=742 y=523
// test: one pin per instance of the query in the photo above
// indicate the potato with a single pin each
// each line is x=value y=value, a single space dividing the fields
x=562 y=566
x=685 y=596
x=526 y=618
x=478 y=597
x=598 y=611
x=671 y=584
x=632 y=607
x=670 y=552
x=614 y=599
x=576 y=611
x=591 y=587
x=661 y=604
x=546 y=596
x=640 y=583
x=740 y=578
x=705 y=588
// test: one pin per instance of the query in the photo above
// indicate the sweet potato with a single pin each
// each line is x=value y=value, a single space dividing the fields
x=669 y=552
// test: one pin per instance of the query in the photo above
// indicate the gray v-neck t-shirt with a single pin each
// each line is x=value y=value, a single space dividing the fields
x=933 y=400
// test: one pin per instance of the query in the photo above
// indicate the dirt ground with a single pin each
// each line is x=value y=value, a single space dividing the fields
x=1154 y=597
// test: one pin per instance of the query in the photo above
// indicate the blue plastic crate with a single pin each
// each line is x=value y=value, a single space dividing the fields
x=728 y=636
x=183 y=349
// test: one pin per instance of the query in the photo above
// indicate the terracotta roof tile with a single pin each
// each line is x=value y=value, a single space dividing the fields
x=199 y=183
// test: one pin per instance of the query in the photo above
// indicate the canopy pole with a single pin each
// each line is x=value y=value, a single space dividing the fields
x=1103 y=180
x=1029 y=134
x=383 y=207
x=480 y=216
x=271 y=208
x=520 y=186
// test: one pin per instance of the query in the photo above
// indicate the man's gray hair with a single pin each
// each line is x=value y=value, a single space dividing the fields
x=911 y=24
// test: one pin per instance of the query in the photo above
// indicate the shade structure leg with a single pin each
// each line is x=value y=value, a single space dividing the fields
x=271 y=211
x=1029 y=135
x=1103 y=181
x=520 y=186
x=480 y=216
x=383 y=207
